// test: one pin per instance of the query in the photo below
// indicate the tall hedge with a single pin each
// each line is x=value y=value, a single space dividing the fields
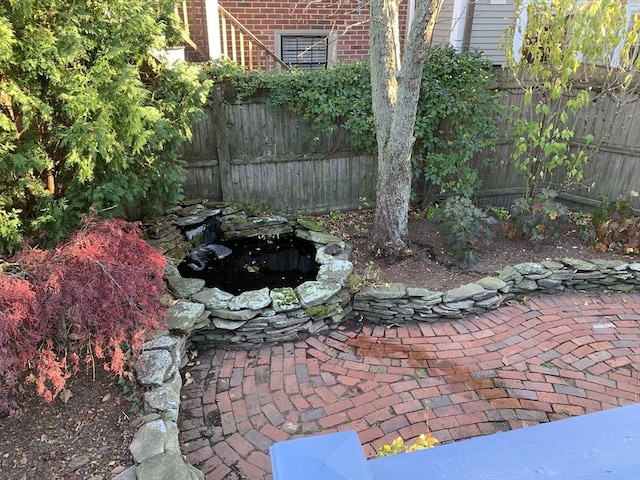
x=89 y=119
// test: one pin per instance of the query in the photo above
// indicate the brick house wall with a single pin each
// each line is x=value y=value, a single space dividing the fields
x=348 y=20
x=196 y=16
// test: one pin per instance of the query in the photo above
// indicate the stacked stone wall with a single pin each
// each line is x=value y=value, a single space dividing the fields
x=211 y=317
x=396 y=303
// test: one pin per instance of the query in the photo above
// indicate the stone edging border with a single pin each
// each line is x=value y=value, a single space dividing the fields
x=395 y=303
x=156 y=447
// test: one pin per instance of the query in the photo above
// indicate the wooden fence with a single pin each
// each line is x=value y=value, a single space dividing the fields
x=254 y=153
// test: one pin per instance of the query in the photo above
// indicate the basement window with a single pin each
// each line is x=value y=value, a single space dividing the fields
x=304 y=52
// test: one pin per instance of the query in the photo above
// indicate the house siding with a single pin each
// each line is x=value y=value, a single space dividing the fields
x=489 y=24
x=442 y=31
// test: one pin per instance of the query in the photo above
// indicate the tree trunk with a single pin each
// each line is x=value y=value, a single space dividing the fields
x=395 y=93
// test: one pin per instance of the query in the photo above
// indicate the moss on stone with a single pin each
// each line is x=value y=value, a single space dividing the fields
x=310 y=224
x=320 y=311
x=354 y=283
x=284 y=296
x=177 y=254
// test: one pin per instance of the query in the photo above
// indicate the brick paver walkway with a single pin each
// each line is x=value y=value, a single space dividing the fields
x=546 y=359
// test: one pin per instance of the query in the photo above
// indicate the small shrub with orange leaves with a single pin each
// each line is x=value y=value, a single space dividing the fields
x=84 y=301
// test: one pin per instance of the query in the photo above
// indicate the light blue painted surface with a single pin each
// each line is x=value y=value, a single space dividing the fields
x=597 y=446
x=334 y=456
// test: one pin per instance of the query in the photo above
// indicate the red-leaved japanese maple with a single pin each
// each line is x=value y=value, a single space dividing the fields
x=86 y=299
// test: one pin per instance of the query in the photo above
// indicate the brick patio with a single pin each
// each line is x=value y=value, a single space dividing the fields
x=545 y=359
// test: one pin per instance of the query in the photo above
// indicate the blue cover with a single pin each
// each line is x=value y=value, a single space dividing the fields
x=597 y=446
x=333 y=456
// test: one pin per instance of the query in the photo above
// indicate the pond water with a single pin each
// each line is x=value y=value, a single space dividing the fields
x=246 y=264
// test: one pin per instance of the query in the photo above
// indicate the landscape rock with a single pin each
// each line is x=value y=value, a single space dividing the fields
x=148 y=441
x=462 y=293
x=164 y=467
x=212 y=298
x=225 y=324
x=319 y=237
x=152 y=367
x=184 y=314
x=185 y=287
x=313 y=293
x=252 y=300
x=284 y=299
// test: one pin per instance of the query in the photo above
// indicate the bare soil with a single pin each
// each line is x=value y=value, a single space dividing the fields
x=429 y=266
x=89 y=436
x=86 y=437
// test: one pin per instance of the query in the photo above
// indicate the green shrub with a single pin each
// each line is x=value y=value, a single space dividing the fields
x=464 y=227
x=88 y=118
x=617 y=227
x=537 y=220
x=457 y=118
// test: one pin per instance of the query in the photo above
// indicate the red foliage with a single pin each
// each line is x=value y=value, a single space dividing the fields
x=94 y=292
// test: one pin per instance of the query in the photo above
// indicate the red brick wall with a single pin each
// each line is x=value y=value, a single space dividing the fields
x=197 y=31
x=347 y=18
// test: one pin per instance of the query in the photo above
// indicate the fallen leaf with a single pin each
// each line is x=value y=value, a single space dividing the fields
x=65 y=395
x=505 y=361
x=107 y=397
x=188 y=378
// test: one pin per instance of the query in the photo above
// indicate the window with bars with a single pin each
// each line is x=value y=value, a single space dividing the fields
x=304 y=52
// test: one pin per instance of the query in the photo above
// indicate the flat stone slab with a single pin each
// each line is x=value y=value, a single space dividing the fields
x=152 y=367
x=185 y=287
x=162 y=398
x=392 y=290
x=184 y=314
x=284 y=299
x=148 y=441
x=335 y=272
x=197 y=218
x=462 y=293
x=213 y=298
x=252 y=300
x=319 y=237
x=314 y=293
x=164 y=467
x=165 y=342
x=579 y=265
x=237 y=315
x=225 y=324
x=530 y=268
x=491 y=283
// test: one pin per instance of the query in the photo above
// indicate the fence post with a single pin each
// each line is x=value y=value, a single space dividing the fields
x=222 y=144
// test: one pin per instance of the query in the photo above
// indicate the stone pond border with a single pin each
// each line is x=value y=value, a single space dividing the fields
x=211 y=318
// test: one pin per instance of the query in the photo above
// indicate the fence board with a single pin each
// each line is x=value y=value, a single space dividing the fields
x=253 y=152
